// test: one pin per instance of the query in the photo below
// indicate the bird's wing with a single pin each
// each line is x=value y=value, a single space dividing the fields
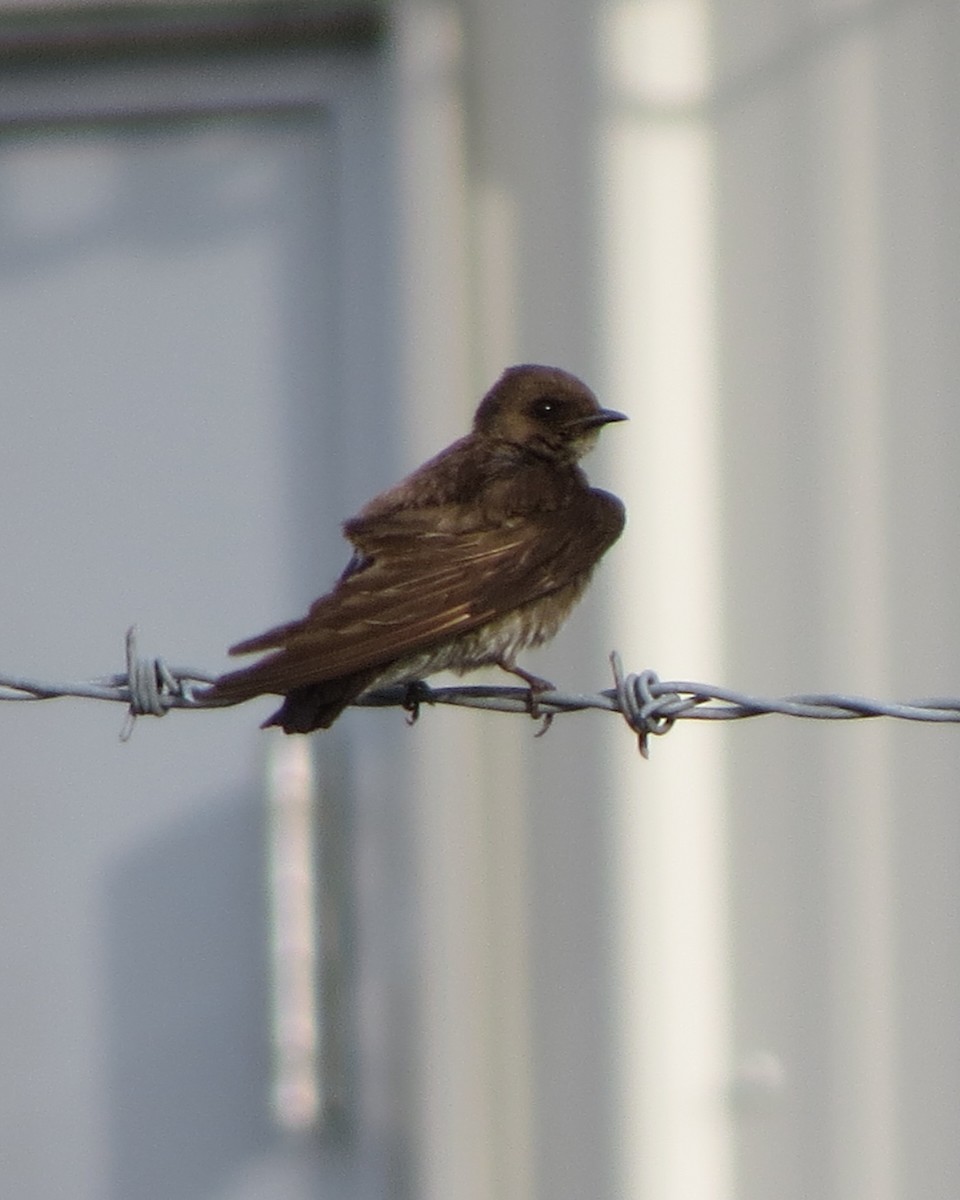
x=417 y=587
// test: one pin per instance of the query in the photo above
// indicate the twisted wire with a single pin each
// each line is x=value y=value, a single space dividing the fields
x=650 y=706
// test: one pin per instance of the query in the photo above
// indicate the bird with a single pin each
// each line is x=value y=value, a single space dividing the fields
x=478 y=554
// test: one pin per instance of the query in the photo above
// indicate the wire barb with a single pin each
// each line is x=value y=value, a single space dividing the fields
x=649 y=705
x=645 y=712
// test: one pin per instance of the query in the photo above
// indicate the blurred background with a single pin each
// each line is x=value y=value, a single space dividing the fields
x=256 y=262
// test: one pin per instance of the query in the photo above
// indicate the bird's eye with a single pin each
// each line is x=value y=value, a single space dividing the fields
x=546 y=408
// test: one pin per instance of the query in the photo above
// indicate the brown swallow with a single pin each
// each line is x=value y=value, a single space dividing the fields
x=480 y=553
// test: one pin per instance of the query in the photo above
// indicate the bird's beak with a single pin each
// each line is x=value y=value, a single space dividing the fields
x=603 y=416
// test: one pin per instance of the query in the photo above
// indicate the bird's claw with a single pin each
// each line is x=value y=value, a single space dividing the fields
x=536 y=688
x=417 y=693
x=545 y=722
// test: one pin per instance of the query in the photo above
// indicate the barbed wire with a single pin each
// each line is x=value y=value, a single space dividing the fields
x=649 y=705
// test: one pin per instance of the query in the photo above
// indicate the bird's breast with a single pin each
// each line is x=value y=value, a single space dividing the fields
x=502 y=637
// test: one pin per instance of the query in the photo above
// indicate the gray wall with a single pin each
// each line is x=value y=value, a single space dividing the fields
x=729 y=972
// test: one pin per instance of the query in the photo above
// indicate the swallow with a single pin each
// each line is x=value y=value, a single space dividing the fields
x=479 y=554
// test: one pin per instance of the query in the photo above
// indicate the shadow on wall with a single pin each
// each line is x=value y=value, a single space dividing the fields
x=187 y=1006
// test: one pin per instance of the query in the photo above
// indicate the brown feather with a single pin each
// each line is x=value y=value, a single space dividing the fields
x=440 y=587
x=479 y=553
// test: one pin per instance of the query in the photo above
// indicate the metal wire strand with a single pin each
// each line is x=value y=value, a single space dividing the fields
x=649 y=705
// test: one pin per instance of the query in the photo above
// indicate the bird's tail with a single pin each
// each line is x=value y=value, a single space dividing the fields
x=317 y=705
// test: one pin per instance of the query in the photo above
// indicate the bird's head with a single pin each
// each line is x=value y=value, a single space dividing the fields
x=545 y=410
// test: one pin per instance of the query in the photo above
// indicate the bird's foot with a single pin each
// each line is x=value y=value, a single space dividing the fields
x=417 y=692
x=536 y=686
x=545 y=723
